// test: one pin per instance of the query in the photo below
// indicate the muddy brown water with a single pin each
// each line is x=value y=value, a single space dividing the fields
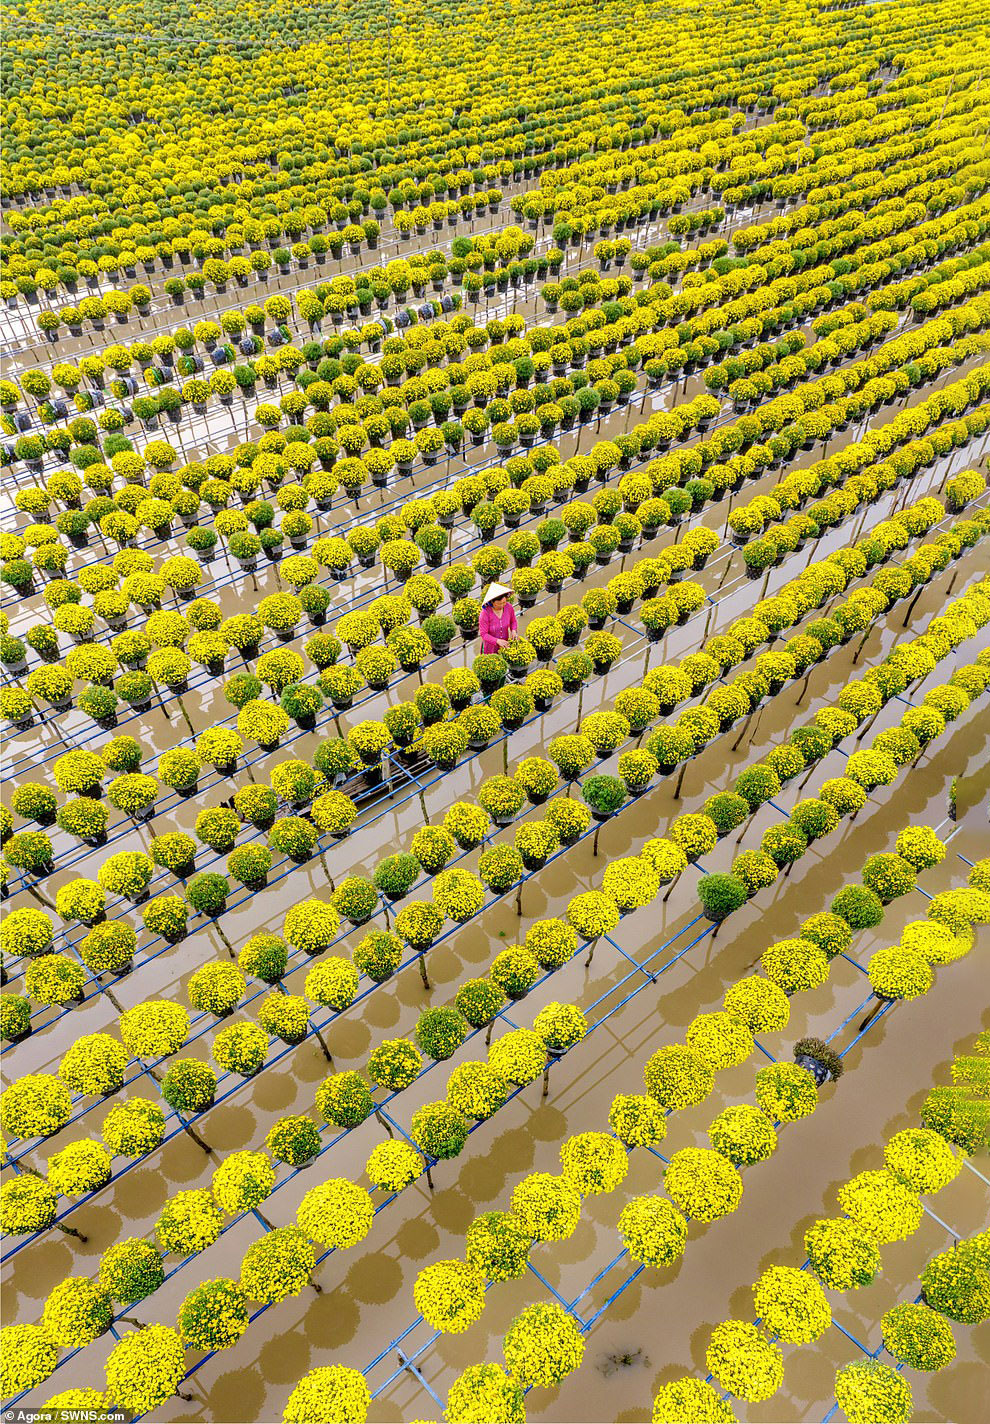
x=658 y=1328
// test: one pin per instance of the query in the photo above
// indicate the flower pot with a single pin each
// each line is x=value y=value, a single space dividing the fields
x=815 y=1067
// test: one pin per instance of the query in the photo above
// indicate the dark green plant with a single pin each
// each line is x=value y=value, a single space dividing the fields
x=721 y=895
x=727 y=810
x=208 y=893
x=604 y=794
x=396 y=874
x=859 y=907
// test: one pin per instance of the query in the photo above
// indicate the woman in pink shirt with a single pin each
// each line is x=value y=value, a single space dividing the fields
x=497 y=623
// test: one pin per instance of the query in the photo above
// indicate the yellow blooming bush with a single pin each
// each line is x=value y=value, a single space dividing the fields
x=592 y=914
x=678 y=1077
x=744 y=1361
x=593 y=1162
x=882 y=1205
x=477 y=1090
x=922 y=1159
x=29 y=1357
x=760 y=1004
x=918 y=1336
x=666 y=858
x=549 y=1207
x=27 y=1204
x=145 y=1368
x=519 y=1056
x=786 y=1091
x=337 y=1213
x=742 y=1134
x=78 y=1168
x=393 y=1165
x=795 y=965
x=869 y=1392
x=542 y=1346
x=652 y=1230
x=330 y=1394
x=721 y=1040
x=560 y=1026
x=37 y=1105
x=631 y=882
x=498 y=1245
x=243 y=1181
x=703 y=1184
x=898 y=973
x=935 y=942
x=450 y=1296
x=956 y=1283
x=690 y=1401
x=843 y=1255
x=278 y=1265
x=791 y=1305
x=637 y=1120
x=485 y=1394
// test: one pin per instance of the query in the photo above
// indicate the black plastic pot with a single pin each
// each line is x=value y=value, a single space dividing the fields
x=815 y=1067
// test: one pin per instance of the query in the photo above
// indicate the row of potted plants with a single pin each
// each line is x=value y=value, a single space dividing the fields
x=420 y=934
x=740 y=514
x=790 y=602
x=393 y=1164
x=576 y=211
x=357 y=203
x=677 y=466
x=40 y=382
x=143 y=1373
x=703 y=1185
x=879 y=1206
x=667 y=756
x=335 y=1215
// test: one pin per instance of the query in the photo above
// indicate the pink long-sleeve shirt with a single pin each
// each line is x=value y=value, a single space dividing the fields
x=491 y=626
